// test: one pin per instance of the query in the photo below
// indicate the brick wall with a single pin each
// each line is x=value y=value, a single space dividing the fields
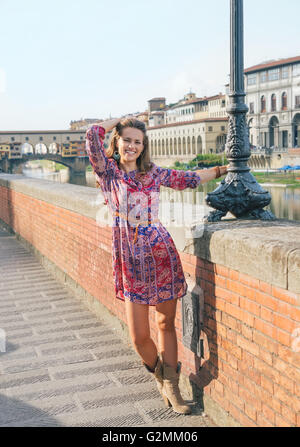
x=252 y=327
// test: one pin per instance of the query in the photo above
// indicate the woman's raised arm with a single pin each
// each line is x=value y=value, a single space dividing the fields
x=94 y=145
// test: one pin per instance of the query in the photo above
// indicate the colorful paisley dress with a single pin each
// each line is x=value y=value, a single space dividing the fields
x=146 y=266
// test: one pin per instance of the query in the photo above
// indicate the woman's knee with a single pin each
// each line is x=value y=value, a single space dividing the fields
x=166 y=323
x=140 y=338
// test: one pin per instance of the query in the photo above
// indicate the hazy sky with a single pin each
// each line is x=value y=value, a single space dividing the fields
x=62 y=60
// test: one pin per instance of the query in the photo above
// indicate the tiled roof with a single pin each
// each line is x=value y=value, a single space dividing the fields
x=271 y=64
x=196 y=100
x=204 y=120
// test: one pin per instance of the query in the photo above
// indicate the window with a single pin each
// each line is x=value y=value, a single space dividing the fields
x=41 y=138
x=263 y=77
x=263 y=104
x=284 y=101
x=251 y=79
x=12 y=139
x=297 y=102
x=251 y=107
x=273 y=103
x=296 y=70
x=68 y=138
x=274 y=74
x=26 y=138
x=223 y=128
x=210 y=129
x=285 y=72
x=54 y=138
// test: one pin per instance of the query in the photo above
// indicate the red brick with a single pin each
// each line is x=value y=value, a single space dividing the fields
x=266 y=314
x=284 y=338
x=287 y=355
x=250 y=412
x=265 y=287
x=262 y=422
x=219 y=387
x=230 y=385
x=234 y=398
x=285 y=295
x=261 y=340
x=250 y=306
x=280 y=422
x=249 y=280
x=284 y=323
x=232 y=310
x=249 y=346
x=235 y=286
x=234 y=275
x=231 y=322
x=289 y=415
x=221 y=270
x=267 y=384
x=265 y=328
x=268 y=413
x=220 y=281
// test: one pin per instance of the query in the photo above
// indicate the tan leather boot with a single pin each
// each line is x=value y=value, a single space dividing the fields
x=157 y=372
x=170 y=389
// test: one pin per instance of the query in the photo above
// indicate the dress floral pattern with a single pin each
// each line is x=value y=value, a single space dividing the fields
x=146 y=265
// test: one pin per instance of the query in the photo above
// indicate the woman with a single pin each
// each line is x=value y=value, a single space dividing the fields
x=147 y=268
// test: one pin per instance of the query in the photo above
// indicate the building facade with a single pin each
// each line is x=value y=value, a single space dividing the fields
x=273 y=98
x=190 y=127
x=183 y=141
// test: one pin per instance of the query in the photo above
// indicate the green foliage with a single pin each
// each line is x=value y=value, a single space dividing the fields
x=204 y=160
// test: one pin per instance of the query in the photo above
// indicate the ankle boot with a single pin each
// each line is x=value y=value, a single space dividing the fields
x=170 y=390
x=157 y=372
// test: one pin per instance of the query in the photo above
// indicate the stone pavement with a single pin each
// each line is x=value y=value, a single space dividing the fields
x=62 y=365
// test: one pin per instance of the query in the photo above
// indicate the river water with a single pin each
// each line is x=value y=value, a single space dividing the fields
x=190 y=203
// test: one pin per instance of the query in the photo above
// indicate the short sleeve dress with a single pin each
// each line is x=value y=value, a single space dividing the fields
x=146 y=265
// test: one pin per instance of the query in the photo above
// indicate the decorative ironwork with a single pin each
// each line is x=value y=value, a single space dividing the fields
x=239 y=193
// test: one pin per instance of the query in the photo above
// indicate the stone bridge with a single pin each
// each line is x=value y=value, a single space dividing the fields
x=46 y=138
x=77 y=165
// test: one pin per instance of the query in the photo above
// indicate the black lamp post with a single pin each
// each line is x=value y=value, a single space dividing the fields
x=239 y=192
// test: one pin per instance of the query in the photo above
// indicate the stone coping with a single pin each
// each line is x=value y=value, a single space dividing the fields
x=269 y=251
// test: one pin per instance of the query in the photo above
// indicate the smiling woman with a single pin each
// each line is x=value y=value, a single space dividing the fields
x=146 y=265
x=129 y=145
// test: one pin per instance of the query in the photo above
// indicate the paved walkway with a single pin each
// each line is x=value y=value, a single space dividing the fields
x=63 y=366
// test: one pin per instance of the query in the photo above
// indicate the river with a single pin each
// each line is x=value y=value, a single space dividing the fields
x=285 y=202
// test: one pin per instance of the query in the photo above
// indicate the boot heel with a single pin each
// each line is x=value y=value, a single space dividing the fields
x=166 y=401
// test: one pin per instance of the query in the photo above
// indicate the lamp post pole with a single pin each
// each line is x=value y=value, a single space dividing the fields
x=239 y=193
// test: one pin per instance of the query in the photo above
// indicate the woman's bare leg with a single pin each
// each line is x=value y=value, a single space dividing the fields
x=167 y=339
x=138 y=324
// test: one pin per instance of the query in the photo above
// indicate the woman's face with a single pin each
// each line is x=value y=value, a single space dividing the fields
x=130 y=144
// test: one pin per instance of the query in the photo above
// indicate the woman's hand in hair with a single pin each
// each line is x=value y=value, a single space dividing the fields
x=110 y=124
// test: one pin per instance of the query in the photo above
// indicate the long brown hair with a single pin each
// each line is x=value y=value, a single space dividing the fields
x=143 y=162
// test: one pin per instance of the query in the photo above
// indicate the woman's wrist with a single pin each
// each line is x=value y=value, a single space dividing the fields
x=217 y=171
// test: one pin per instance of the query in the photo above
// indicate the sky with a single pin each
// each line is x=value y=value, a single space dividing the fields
x=64 y=60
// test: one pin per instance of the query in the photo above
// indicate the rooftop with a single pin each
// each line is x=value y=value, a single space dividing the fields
x=204 y=120
x=272 y=64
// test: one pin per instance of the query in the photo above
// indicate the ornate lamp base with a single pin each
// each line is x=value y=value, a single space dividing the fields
x=241 y=195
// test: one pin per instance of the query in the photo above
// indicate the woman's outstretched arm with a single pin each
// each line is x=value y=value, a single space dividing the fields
x=209 y=174
x=179 y=180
